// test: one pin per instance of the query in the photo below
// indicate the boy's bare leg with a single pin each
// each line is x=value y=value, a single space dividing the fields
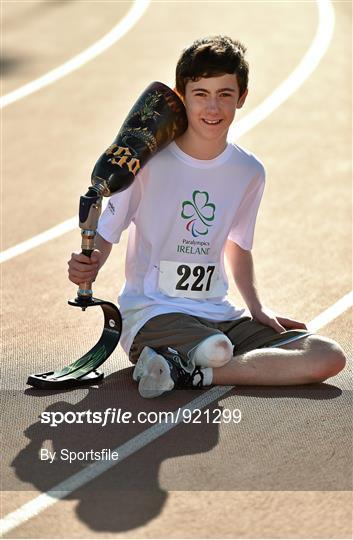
x=308 y=360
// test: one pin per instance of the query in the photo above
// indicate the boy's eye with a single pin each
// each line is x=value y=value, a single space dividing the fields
x=203 y=94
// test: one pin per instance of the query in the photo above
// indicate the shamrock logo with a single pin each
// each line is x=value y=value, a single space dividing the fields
x=201 y=213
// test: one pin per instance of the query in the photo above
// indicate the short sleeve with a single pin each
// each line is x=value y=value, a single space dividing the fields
x=243 y=226
x=120 y=212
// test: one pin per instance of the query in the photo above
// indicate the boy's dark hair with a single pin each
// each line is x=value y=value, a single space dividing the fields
x=212 y=56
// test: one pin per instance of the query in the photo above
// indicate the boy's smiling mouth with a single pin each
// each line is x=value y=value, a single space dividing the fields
x=211 y=122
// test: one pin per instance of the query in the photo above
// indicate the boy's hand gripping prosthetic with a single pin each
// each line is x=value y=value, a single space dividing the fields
x=157 y=118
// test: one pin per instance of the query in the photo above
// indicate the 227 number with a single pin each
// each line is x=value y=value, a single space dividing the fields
x=198 y=272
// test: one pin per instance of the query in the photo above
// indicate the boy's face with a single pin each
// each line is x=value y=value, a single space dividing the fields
x=210 y=106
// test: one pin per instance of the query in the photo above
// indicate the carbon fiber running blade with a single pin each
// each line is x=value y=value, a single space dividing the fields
x=76 y=373
x=45 y=381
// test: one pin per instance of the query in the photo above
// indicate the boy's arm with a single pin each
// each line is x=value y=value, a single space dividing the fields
x=242 y=267
x=104 y=247
x=83 y=268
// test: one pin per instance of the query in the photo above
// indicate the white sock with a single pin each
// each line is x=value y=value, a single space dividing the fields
x=207 y=376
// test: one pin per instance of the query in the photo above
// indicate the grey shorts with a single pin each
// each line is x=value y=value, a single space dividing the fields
x=184 y=332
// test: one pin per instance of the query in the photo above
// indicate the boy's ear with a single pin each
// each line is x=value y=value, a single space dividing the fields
x=242 y=99
x=178 y=94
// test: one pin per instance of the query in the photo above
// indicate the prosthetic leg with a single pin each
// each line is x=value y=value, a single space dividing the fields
x=157 y=118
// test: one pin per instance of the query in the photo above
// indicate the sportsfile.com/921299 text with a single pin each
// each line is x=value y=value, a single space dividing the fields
x=111 y=415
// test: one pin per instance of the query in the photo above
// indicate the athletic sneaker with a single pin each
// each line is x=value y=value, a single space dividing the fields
x=157 y=374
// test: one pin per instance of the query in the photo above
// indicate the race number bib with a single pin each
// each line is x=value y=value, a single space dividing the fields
x=191 y=280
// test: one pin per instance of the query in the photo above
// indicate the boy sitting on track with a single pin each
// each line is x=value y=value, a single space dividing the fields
x=194 y=202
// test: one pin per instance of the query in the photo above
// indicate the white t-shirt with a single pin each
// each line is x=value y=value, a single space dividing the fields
x=181 y=210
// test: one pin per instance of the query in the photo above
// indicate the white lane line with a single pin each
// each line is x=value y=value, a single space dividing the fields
x=303 y=70
x=76 y=481
x=332 y=312
x=39 y=239
x=46 y=236
x=305 y=67
x=134 y=14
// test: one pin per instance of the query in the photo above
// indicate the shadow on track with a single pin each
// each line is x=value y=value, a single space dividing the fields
x=134 y=491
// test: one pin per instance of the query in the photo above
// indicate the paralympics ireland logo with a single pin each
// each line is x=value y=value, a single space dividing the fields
x=199 y=212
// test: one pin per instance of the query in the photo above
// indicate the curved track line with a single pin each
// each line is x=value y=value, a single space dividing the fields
x=307 y=65
x=134 y=14
x=303 y=70
x=76 y=481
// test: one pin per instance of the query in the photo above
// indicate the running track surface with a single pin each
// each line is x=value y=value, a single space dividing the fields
x=284 y=471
